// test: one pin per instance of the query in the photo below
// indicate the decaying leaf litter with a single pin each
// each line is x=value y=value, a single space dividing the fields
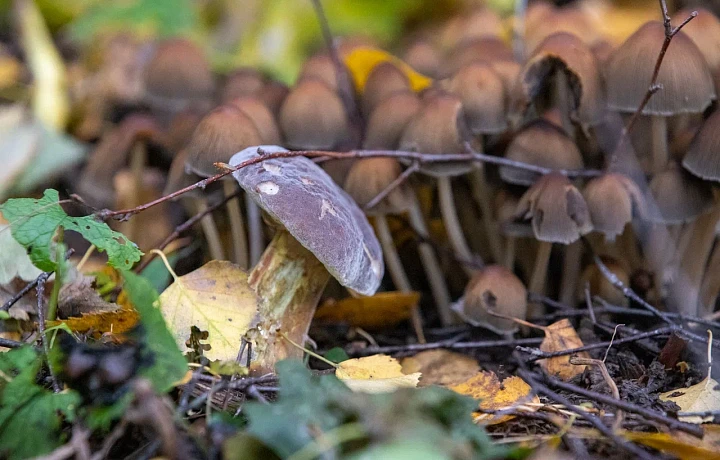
x=297 y=301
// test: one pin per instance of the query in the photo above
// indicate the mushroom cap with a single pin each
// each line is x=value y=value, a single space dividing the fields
x=221 y=133
x=423 y=57
x=487 y=49
x=323 y=218
x=370 y=176
x=273 y=95
x=687 y=86
x=599 y=284
x=439 y=127
x=703 y=156
x=483 y=96
x=177 y=75
x=540 y=143
x=261 y=116
x=313 y=117
x=680 y=196
x=568 y=19
x=383 y=80
x=496 y=289
x=612 y=200
x=563 y=52
x=320 y=66
x=389 y=119
x=556 y=208
x=704 y=31
x=479 y=23
x=244 y=81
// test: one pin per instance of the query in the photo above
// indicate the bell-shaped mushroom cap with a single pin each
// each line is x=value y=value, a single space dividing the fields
x=540 y=143
x=301 y=197
x=320 y=66
x=556 y=208
x=273 y=95
x=244 y=81
x=612 y=200
x=181 y=128
x=568 y=19
x=486 y=49
x=704 y=31
x=687 y=86
x=389 y=119
x=439 y=127
x=424 y=58
x=313 y=117
x=384 y=79
x=679 y=196
x=483 y=97
x=563 y=52
x=494 y=289
x=178 y=178
x=177 y=75
x=370 y=176
x=703 y=156
x=221 y=133
x=261 y=115
x=479 y=23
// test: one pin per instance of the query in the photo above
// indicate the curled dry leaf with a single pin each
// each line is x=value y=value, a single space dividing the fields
x=703 y=396
x=494 y=395
x=362 y=60
x=682 y=445
x=561 y=336
x=375 y=374
x=441 y=367
x=383 y=309
x=216 y=298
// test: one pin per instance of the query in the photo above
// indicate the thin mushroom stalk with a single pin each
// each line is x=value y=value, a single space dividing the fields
x=482 y=194
x=659 y=143
x=571 y=273
x=210 y=229
x=255 y=231
x=452 y=223
x=237 y=226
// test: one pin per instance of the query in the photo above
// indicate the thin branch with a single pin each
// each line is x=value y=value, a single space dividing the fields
x=608 y=380
x=40 y=291
x=401 y=179
x=449 y=344
x=30 y=286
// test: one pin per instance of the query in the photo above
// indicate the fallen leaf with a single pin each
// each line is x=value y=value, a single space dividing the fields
x=25 y=306
x=682 y=445
x=116 y=322
x=494 y=395
x=561 y=336
x=19 y=146
x=375 y=374
x=216 y=298
x=441 y=367
x=14 y=261
x=77 y=297
x=700 y=397
x=362 y=60
x=380 y=310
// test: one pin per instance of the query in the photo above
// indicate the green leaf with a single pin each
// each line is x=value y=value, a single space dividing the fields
x=33 y=223
x=169 y=364
x=337 y=355
x=24 y=404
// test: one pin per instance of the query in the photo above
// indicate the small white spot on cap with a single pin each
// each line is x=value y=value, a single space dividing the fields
x=307 y=181
x=327 y=208
x=268 y=188
x=275 y=170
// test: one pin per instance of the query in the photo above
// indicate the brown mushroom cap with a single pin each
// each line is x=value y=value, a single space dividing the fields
x=599 y=284
x=424 y=58
x=244 y=81
x=704 y=31
x=320 y=66
x=495 y=289
x=612 y=200
x=680 y=197
x=703 y=156
x=313 y=117
x=178 y=75
x=563 y=52
x=221 y=133
x=486 y=49
x=389 y=119
x=323 y=218
x=556 y=208
x=569 y=19
x=479 y=23
x=370 y=176
x=261 y=115
x=439 y=127
x=540 y=143
x=687 y=86
x=384 y=79
x=483 y=97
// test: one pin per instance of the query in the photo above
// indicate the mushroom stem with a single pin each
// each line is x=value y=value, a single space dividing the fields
x=255 y=230
x=509 y=256
x=627 y=245
x=431 y=266
x=397 y=271
x=571 y=273
x=684 y=292
x=210 y=230
x=482 y=195
x=711 y=283
x=237 y=226
x=452 y=223
x=659 y=143
x=289 y=281
x=539 y=274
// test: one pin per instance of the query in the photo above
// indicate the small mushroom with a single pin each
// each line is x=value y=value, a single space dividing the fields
x=613 y=199
x=599 y=284
x=320 y=232
x=384 y=79
x=423 y=57
x=704 y=31
x=389 y=119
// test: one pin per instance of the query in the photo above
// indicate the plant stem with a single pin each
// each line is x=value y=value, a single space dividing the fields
x=237 y=226
x=482 y=194
x=210 y=230
x=255 y=230
x=452 y=224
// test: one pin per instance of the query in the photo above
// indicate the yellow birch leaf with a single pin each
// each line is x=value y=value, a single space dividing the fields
x=117 y=322
x=362 y=60
x=494 y=395
x=441 y=367
x=561 y=336
x=682 y=445
x=215 y=298
x=375 y=374
x=380 y=310
x=702 y=396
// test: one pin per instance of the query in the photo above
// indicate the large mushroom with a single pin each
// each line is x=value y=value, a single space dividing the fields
x=320 y=232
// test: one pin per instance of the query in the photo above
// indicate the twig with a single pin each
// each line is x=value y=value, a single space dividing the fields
x=393 y=185
x=608 y=380
x=588 y=302
x=110 y=440
x=449 y=344
x=40 y=291
x=30 y=286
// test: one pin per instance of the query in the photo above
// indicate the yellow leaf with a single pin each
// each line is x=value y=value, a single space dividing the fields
x=117 y=322
x=561 y=336
x=375 y=374
x=380 y=310
x=215 y=298
x=9 y=70
x=700 y=397
x=441 y=367
x=362 y=60
x=493 y=395
x=682 y=445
